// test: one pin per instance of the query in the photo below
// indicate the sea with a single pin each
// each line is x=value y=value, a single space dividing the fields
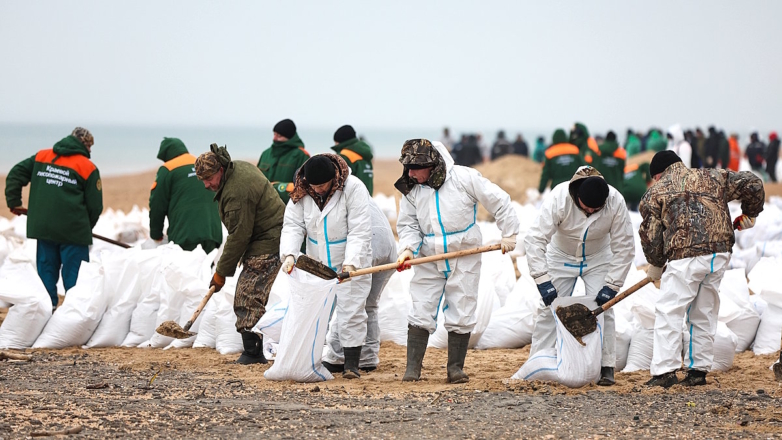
x=130 y=149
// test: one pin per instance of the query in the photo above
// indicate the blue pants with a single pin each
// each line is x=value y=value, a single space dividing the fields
x=51 y=256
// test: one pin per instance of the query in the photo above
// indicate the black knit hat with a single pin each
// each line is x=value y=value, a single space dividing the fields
x=344 y=133
x=611 y=136
x=662 y=160
x=319 y=169
x=593 y=192
x=286 y=128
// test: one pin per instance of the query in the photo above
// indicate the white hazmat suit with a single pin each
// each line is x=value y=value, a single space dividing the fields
x=434 y=222
x=564 y=243
x=337 y=236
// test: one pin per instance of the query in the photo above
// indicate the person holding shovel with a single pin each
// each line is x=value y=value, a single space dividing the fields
x=686 y=224
x=252 y=212
x=583 y=230
x=332 y=210
x=437 y=214
x=66 y=199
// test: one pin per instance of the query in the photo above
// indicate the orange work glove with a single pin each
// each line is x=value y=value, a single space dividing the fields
x=218 y=281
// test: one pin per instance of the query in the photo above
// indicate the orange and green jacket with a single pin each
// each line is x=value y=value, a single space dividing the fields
x=280 y=162
x=562 y=160
x=358 y=156
x=609 y=159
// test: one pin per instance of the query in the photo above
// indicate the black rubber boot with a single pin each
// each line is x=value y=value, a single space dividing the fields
x=457 y=351
x=352 y=356
x=417 y=338
x=666 y=380
x=334 y=368
x=253 y=349
x=778 y=368
x=606 y=377
x=694 y=378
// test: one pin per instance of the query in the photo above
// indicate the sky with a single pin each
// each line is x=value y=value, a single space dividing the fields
x=531 y=65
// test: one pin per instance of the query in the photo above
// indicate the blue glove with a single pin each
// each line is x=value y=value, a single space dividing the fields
x=606 y=294
x=548 y=292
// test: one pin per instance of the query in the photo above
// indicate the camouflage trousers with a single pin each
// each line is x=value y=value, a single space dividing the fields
x=252 y=289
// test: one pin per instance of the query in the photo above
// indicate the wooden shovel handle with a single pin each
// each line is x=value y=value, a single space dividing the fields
x=622 y=295
x=99 y=237
x=422 y=260
x=199 y=309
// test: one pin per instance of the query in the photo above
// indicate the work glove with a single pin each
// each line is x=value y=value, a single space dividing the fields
x=654 y=273
x=347 y=268
x=548 y=292
x=743 y=222
x=606 y=294
x=508 y=244
x=287 y=264
x=18 y=211
x=218 y=281
x=405 y=255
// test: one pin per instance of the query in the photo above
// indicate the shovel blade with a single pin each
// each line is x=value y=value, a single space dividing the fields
x=173 y=330
x=315 y=267
x=578 y=320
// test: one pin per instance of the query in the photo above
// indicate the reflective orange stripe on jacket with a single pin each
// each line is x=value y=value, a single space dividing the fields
x=76 y=162
x=352 y=156
x=631 y=167
x=561 y=150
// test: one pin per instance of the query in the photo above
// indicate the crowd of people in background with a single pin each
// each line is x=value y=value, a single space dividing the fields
x=568 y=151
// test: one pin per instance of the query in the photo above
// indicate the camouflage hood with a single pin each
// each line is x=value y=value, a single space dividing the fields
x=424 y=152
x=302 y=188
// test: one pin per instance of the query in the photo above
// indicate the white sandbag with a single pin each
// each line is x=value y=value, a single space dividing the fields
x=270 y=324
x=767 y=339
x=304 y=330
x=21 y=287
x=724 y=351
x=511 y=325
x=496 y=270
x=758 y=303
x=393 y=308
x=575 y=365
x=765 y=275
x=228 y=340
x=624 y=335
x=80 y=313
x=180 y=288
x=736 y=309
x=207 y=331
x=639 y=355
x=121 y=285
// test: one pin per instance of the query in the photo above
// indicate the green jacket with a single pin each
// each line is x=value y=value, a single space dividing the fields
x=252 y=212
x=358 y=156
x=610 y=162
x=656 y=142
x=562 y=161
x=633 y=146
x=579 y=136
x=636 y=181
x=280 y=162
x=178 y=194
x=66 y=196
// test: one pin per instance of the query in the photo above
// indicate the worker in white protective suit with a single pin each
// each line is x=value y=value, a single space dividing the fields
x=583 y=231
x=686 y=223
x=383 y=252
x=331 y=208
x=437 y=215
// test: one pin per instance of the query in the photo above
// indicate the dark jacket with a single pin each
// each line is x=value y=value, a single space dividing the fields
x=66 y=196
x=279 y=163
x=685 y=213
x=562 y=160
x=358 y=155
x=609 y=160
x=178 y=194
x=251 y=211
x=636 y=180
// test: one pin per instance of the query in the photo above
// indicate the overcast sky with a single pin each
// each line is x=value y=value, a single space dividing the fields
x=530 y=65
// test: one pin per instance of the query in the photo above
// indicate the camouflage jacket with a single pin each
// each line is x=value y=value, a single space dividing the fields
x=685 y=213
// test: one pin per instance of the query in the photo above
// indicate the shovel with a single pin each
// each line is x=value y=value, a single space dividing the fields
x=320 y=270
x=173 y=330
x=580 y=321
x=99 y=237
